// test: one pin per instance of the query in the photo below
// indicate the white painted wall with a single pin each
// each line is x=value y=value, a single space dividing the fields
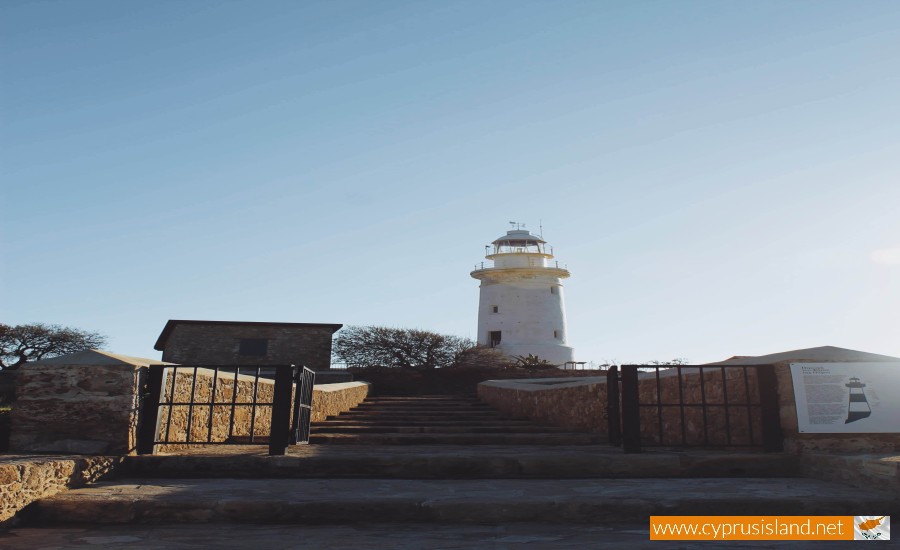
x=528 y=311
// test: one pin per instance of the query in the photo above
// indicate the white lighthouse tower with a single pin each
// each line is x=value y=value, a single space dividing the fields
x=521 y=309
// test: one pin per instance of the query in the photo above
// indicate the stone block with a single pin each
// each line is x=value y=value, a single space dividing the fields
x=333 y=399
x=574 y=403
x=25 y=479
x=76 y=408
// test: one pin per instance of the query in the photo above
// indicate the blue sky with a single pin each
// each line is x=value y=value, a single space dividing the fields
x=721 y=178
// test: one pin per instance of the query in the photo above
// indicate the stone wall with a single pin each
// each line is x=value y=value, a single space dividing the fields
x=24 y=479
x=89 y=409
x=93 y=408
x=333 y=399
x=575 y=403
x=195 y=343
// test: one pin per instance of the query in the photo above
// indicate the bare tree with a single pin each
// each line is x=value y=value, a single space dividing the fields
x=36 y=341
x=398 y=347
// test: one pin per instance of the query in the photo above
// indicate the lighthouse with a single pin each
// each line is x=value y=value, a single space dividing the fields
x=521 y=309
x=858 y=407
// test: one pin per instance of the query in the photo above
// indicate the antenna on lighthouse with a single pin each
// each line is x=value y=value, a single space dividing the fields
x=541 y=228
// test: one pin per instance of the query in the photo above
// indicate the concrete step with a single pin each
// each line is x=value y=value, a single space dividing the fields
x=503 y=438
x=417 y=398
x=335 y=501
x=368 y=536
x=430 y=410
x=436 y=421
x=412 y=423
x=365 y=405
x=425 y=415
x=422 y=410
x=452 y=409
x=495 y=427
x=425 y=403
x=407 y=421
x=453 y=417
x=455 y=462
x=411 y=402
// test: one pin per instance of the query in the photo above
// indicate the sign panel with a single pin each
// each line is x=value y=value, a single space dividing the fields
x=847 y=397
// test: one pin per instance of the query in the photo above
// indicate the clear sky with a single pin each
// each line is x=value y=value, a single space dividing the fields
x=721 y=178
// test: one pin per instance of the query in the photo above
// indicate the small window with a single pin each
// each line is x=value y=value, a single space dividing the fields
x=253 y=347
x=495 y=309
x=494 y=338
x=556 y=334
x=552 y=290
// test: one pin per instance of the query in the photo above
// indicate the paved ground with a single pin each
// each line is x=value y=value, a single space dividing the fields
x=569 y=501
x=539 y=533
x=375 y=537
x=457 y=462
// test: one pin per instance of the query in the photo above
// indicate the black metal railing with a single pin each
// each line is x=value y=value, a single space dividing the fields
x=224 y=404
x=303 y=407
x=718 y=406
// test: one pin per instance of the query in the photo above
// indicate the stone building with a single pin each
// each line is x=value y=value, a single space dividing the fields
x=240 y=342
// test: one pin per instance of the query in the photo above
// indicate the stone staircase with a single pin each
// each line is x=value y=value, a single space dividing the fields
x=447 y=420
x=399 y=463
x=349 y=501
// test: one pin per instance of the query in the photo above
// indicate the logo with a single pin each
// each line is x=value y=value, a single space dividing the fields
x=871 y=527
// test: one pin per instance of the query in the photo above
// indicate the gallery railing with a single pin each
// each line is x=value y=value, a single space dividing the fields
x=712 y=406
x=225 y=404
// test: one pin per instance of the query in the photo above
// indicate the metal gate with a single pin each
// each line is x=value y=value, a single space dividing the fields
x=693 y=406
x=225 y=405
x=303 y=406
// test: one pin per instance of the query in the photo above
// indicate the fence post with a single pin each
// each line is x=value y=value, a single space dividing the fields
x=770 y=416
x=631 y=410
x=613 y=415
x=149 y=410
x=279 y=432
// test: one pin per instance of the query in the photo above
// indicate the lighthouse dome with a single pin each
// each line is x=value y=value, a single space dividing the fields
x=519 y=241
x=518 y=237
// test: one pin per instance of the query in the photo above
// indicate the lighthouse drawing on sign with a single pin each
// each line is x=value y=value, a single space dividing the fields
x=521 y=309
x=859 y=406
